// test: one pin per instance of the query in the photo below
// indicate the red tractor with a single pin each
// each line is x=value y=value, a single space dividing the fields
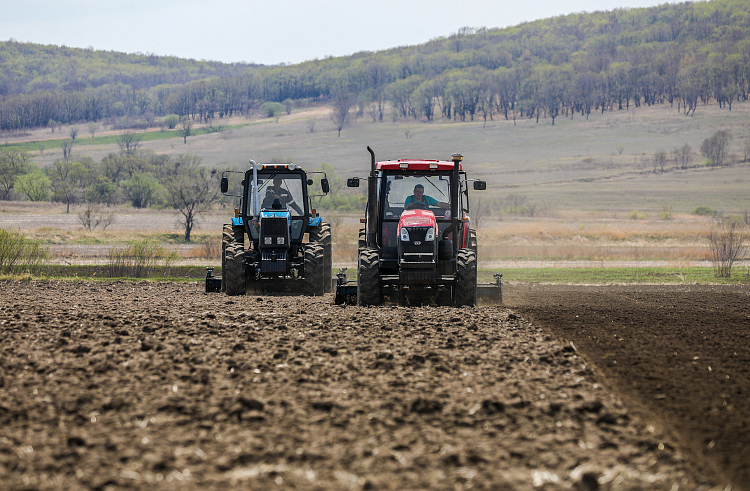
x=417 y=243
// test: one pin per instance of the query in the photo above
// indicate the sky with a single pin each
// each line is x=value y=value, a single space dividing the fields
x=267 y=32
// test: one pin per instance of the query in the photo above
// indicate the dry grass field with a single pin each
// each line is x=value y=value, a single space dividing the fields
x=583 y=178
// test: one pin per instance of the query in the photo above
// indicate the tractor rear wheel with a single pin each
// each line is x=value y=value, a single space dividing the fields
x=473 y=244
x=368 y=278
x=361 y=240
x=234 y=274
x=465 y=289
x=226 y=239
x=312 y=284
x=322 y=235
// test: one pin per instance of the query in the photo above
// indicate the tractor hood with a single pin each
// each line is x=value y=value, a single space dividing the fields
x=416 y=218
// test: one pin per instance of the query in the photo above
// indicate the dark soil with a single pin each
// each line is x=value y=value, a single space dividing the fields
x=161 y=386
x=681 y=354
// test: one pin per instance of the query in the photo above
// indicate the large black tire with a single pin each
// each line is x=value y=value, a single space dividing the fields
x=465 y=289
x=361 y=241
x=312 y=283
x=226 y=239
x=228 y=235
x=322 y=235
x=234 y=274
x=368 y=278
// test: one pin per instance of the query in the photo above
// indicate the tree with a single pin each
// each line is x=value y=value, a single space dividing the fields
x=35 y=185
x=273 y=109
x=714 y=148
x=186 y=127
x=311 y=124
x=14 y=163
x=141 y=189
x=342 y=101
x=726 y=243
x=192 y=191
x=129 y=142
x=67 y=149
x=68 y=180
x=288 y=106
x=746 y=148
x=683 y=156
x=74 y=129
x=171 y=121
x=92 y=126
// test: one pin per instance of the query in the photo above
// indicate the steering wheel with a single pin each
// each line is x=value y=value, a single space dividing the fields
x=418 y=205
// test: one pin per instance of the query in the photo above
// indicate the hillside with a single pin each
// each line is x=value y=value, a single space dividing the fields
x=683 y=55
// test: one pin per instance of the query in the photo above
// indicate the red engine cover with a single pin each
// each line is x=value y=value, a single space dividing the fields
x=416 y=218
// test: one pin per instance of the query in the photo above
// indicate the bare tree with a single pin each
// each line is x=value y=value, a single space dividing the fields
x=93 y=215
x=726 y=243
x=746 y=148
x=192 y=191
x=186 y=129
x=74 y=132
x=683 y=156
x=67 y=148
x=129 y=142
x=311 y=124
x=714 y=148
x=660 y=160
x=342 y=101
x=92 y=126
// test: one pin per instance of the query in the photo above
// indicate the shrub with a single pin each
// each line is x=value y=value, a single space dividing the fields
x=704 y=211
x=19 y=254
x=726 y=243
x=667 y=212
x=141 y=259
x=636 y=215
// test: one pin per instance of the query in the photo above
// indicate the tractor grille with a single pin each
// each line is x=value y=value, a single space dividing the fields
x=273 y=227
x=416 y=234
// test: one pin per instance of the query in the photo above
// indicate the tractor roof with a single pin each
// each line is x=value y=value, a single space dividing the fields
x=416 y=164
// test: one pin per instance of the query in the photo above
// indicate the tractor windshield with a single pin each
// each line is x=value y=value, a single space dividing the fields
x=417 y=191
x=279 y=191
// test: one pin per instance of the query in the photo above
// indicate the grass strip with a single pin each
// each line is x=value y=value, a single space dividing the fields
x=603 y=276
x=643 y=275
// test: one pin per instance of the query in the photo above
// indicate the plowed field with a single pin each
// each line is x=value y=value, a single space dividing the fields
x=161 y=386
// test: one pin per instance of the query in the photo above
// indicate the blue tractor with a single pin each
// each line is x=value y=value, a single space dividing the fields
x=276 y=243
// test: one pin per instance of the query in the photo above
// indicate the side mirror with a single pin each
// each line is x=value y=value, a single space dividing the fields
x=224 y=185
x=352 y=182
x=309 y=182
x=324 y=185
x=480 y=185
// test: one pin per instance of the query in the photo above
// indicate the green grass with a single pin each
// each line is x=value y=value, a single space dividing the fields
x=634 y=276
x=672 y=276
x=150 y=136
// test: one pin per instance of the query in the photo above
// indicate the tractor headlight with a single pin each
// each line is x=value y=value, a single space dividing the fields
x=404 y=234
x=268 y=240
x=430 y=235
x=280 y=240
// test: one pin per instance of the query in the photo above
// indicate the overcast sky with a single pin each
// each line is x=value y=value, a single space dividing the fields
x=270 y=31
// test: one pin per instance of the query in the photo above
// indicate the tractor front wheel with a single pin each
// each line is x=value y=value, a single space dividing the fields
x=234 y=274
x=312 y=284
x=368 y=278
x=322 y=235
x=465 y=289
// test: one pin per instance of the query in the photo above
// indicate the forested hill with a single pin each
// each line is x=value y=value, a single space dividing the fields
x=679 y=54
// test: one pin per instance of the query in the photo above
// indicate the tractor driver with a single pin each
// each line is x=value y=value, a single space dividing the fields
x=277 y=197
x=419 y=200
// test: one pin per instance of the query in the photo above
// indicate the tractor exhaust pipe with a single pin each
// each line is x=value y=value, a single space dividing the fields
x=372 y=203
x=256 y=211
